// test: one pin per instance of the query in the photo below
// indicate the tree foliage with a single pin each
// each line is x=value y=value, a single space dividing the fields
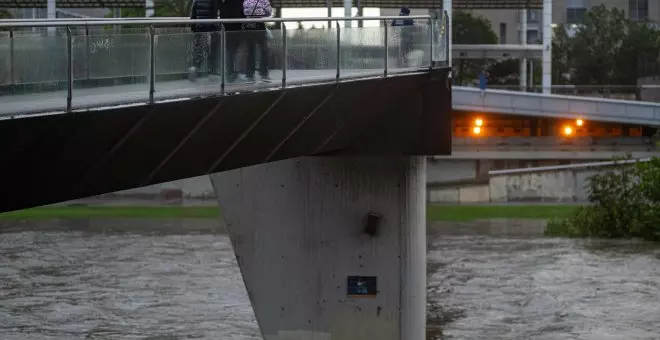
x=625 y=203
x=468 y=28
x=607 y=48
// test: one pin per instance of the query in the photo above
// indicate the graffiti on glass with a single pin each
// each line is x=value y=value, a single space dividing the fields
x=99 y=44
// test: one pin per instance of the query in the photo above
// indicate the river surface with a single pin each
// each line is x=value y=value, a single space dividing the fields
x=179 y=280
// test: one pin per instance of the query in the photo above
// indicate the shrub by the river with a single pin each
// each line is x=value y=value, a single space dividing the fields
x=625 y=203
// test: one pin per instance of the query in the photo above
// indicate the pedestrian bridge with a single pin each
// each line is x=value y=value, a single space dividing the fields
x=89 y=109
x=555 y=106
x=111 y=67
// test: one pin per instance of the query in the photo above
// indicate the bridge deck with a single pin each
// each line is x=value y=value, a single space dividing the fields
x=105 y=96
x=464 y=98
x=560 y=106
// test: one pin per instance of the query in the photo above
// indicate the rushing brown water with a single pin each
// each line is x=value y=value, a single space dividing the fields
x=179 y=280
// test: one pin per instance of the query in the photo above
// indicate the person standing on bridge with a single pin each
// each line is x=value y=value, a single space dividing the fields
x=256 y=34
x=204 y=9
x=406 y=34
x=232 y=9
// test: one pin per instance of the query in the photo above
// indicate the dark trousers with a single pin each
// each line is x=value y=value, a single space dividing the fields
x=233 y=40
x=255 y=35
x=206 y=43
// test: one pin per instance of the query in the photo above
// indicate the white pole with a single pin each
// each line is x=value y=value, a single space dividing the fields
x=348 y=12
x=149 y=8
x=547 y=46
x=446 y=6
x=51 y=13
x=523 y=41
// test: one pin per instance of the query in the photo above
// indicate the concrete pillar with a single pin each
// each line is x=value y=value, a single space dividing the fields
x=547 y=46
x=298 y=228
x=446 y=6
x=523 y=41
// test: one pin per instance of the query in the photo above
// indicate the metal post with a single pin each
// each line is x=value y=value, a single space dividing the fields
x=531 y=74
x=348 y=12
x=546 y=64
x=523 y=41
x=87 y=48
x=69 y=55
x=431 y=43
x=338 y=50
x=149 y=8
x=51 y=13
x=328 y=4
x=12 y=75
x=447 y=32
x=387 y=48
x=284 y=56
x=447 y=6
x=152 y=63
x=223 y=54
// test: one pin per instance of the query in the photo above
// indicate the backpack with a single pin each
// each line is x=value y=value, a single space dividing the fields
x=257 y=8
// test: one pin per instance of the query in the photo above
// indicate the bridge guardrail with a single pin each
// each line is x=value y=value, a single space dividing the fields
x=554 y=141
x=643 y=92
x=81 y=53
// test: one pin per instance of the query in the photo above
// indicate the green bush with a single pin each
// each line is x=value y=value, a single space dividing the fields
x=625 y=203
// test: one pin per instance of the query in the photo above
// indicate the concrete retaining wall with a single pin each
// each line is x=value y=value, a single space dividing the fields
x=552 y=187
x=557 y=186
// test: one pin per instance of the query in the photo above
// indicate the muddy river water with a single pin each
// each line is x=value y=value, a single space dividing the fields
x=179 y=280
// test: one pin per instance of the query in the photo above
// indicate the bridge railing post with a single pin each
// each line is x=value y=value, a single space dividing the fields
x=338 y=50
x=152 y=63
x=284 y=55
x=387 y=47
x=447 y=32
x=431 y=38
x=223 y=57
x=69 y=57
x=12 y=75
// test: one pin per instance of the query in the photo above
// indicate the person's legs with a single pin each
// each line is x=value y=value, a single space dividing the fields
x=232 y=44
x=250 y=39
x=213 y=52
x=263 y=47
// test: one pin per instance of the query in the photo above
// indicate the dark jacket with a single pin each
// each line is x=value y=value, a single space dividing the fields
x=204 y=9
x=231 y=9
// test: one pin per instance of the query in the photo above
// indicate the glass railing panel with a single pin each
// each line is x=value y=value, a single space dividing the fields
x=187 y=63
x=362 y=51
x=409 y=47
x=5 y=60
x=33 y=63
x=311 y=55
x=439 y=39
x=110 y=67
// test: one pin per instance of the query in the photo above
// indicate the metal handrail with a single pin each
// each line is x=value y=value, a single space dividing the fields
x=567 y=167
x=151 y=23
x=187 y=21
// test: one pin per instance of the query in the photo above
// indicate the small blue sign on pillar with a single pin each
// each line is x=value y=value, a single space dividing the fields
x=362 y=286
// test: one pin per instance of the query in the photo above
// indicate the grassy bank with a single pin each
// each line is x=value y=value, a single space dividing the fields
x=434 y=212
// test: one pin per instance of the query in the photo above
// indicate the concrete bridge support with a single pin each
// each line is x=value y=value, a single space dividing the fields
x=331 y=247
